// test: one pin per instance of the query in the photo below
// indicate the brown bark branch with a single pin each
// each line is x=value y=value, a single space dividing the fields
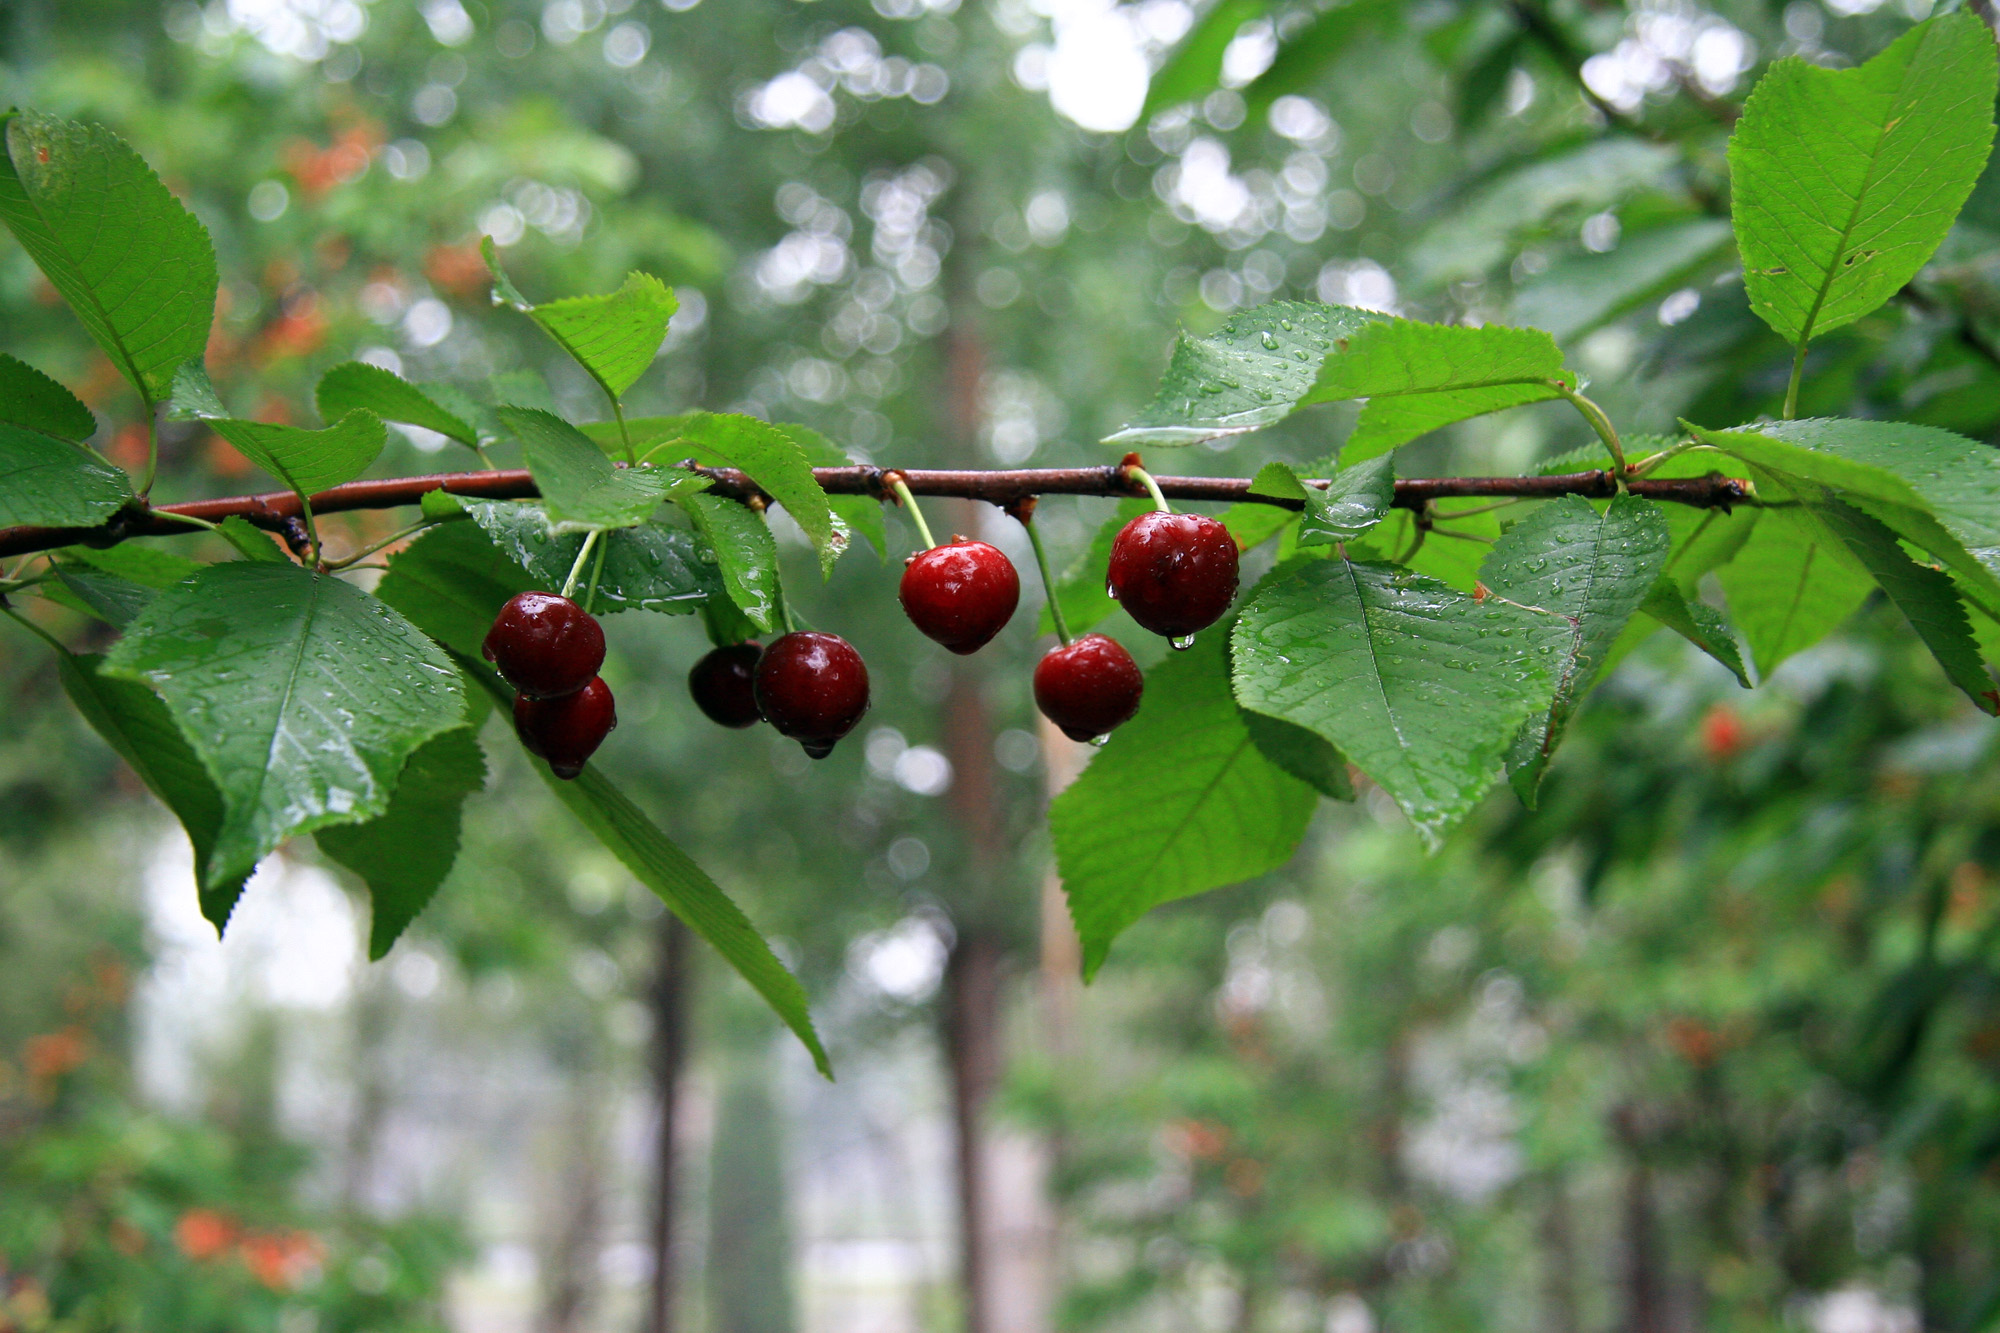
x=273 y=510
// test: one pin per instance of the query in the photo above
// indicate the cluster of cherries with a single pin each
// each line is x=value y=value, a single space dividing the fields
x=1174 y=574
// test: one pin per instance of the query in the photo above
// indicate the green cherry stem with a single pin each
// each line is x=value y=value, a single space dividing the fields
x=1027 y=519
x=596 y=572
x=1599 y=423
x=1145 y=478
x=909 y=502
x=576 y=569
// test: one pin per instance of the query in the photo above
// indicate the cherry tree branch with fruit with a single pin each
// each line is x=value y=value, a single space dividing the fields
x=1431 y=635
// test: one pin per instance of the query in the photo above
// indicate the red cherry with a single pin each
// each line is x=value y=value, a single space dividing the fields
x=812 y=688
x=567 y=730
x=1088 y=687
x=545 y=645
x=1174 y=573
x=723 y=685
x=961 y=594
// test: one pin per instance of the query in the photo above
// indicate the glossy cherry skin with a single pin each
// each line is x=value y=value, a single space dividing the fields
x=566 y=730
x=1174 y=573
x=724 y=685
x=546 y=646
x=812 y=688
x=960 y=594
x=1088 y=687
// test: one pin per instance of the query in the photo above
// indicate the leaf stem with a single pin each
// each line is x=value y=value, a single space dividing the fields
x=152 y=450
x=1599 y=423
x=185 y=518
x=312 y=529
x=1145 y=478
x=1048 y=582
x=391 y=540
x=618 y=411
x=1798 y=376
x=576 y=569
x=1651 y=461
x=909 y=502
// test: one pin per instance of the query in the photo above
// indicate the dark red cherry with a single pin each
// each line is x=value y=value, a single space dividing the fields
x=813 y=688
x=961 y=594
x=566 y=730
x=545 y=645
x=1088 y=687
x=724 y=685
x=1174 y=573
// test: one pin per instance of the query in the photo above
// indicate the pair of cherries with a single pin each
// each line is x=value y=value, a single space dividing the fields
x=1174 y=574
x=811 y=687
x=550 y=649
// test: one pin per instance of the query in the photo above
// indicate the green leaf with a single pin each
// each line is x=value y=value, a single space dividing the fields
x=1252 y=524
x=1255 y=370
x=745 y=552
x=1789 y=586
x=114 y=600
x=32 y=401
x=148 y=566
x=1924 y=595
x=450 y=583
x=1418 y=377
x=250 y=541
x=1356 y=499
x=1592 y=571
x=1581 y=294
x=308 y=461
x=1421 y=687
x=683 y=886
x=690 y=894
x=117 y=583
x=303 y=695
x=404 y=854
x=1306 y=755
x=1932 y=488
x=580 y=487
x=1843 y=181
x=1697 y=622
x=134 y=722
x=132 y=262
x=1179 y=801
x=357 y=386
x=1194 y=69
x=651 y=567
x=52 y=483
x=614 y=337
x=861 y=513
x=1081 y=590
x=774 y=457
x=194 y=397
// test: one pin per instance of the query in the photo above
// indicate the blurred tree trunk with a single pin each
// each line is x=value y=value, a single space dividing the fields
x=670 y=992
x=750 y=1236
x=972 y=992
x=1559 y=1260
x=571 y=1285
x=1644 y=1272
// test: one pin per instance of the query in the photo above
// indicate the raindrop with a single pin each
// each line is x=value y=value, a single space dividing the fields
x=1285 y=324
x=1181 y=644
x=1270 y=340
x=1099 y=741
x=1211 y=388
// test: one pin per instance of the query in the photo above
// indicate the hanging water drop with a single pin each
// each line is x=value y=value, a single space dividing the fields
x=1181 y=644
x=1099 y=741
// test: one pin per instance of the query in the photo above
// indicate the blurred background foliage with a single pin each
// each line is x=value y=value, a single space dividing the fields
x=1711 y=1041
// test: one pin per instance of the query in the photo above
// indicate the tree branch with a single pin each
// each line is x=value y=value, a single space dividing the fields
x=277 y=510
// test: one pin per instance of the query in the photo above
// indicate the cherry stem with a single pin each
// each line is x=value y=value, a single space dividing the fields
x=1152 y=487
x=576 y=569
x=909 y=502
x=1048 y=583
x=596 y=571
